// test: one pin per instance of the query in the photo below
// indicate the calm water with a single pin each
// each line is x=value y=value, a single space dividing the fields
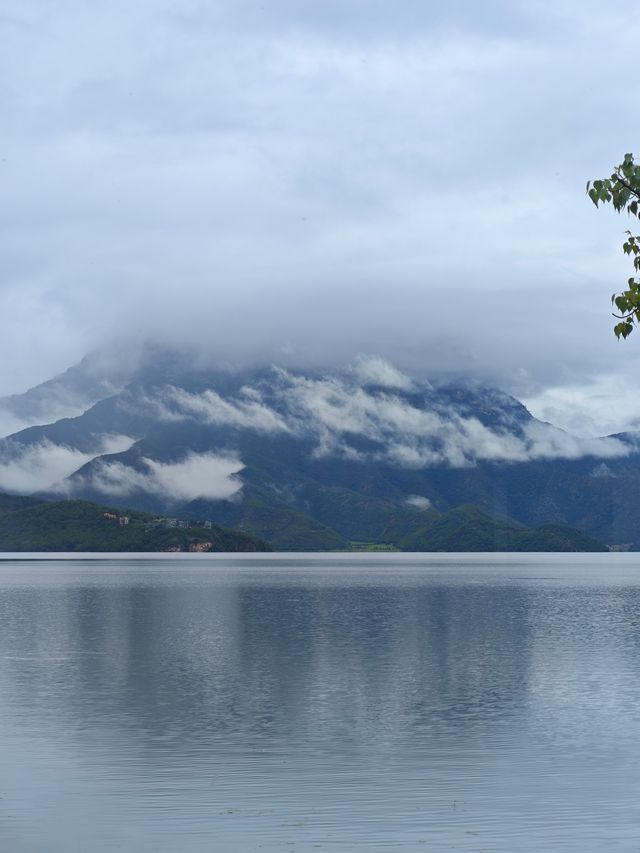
x=373 y=702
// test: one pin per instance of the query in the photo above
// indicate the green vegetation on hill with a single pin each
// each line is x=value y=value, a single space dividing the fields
x=289 y=530
x=10 y=503
x=466 y=528
x=30 y=525
x=469 y=529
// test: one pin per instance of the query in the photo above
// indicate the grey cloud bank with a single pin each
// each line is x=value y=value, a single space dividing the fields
x=302 y=182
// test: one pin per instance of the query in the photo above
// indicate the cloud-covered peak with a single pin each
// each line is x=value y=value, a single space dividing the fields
x=372 y=412
x=442 y=428
x=192 y=432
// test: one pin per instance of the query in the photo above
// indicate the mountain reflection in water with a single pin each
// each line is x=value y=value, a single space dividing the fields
x=374 y=702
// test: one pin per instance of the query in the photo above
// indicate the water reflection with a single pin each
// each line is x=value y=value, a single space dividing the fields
x=159 y=709
x=376 y=661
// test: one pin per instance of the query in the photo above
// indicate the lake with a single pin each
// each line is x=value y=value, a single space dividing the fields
x=374 y=702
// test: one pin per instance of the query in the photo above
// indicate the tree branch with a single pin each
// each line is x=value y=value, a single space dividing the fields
x=628 y=186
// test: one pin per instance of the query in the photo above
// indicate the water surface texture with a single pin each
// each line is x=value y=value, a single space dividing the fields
x=339 y=703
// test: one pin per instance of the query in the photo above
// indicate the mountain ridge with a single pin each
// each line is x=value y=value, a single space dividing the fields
x=346 y=451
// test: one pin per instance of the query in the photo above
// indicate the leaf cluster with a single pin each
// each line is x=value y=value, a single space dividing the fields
x=622 y=190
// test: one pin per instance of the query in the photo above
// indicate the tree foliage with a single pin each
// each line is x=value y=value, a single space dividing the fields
x=622 y=190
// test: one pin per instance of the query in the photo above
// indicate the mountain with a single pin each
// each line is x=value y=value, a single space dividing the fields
x=97 y=376
x=318 y=459
x=32 y=525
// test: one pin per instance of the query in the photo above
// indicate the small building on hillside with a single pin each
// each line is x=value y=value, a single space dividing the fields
x=200 y=547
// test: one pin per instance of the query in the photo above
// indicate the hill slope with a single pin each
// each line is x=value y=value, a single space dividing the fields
x=469 y=529
x=83 y=526
x=27 y=524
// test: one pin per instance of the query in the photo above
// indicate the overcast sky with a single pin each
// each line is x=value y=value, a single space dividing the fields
x=306 y=180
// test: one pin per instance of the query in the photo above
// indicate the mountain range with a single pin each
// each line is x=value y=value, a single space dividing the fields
x=312 y=459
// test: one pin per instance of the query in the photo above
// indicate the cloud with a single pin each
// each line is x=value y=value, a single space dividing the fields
x=203 y=475
x=370 y=401
x=418 y=502
x=249 y=413
x=113 y=443
x=321 y=178
x=377 y=371
x=38 y=467
x=42 y=467
x=606 y=404
x=337 y=412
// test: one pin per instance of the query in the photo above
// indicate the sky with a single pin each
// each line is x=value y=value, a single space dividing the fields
x=308 y=182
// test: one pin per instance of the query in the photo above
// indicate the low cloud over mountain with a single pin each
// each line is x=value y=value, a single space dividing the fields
x=339 y=454
x=375 y=413
x=197 y=475
x=44 y=465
